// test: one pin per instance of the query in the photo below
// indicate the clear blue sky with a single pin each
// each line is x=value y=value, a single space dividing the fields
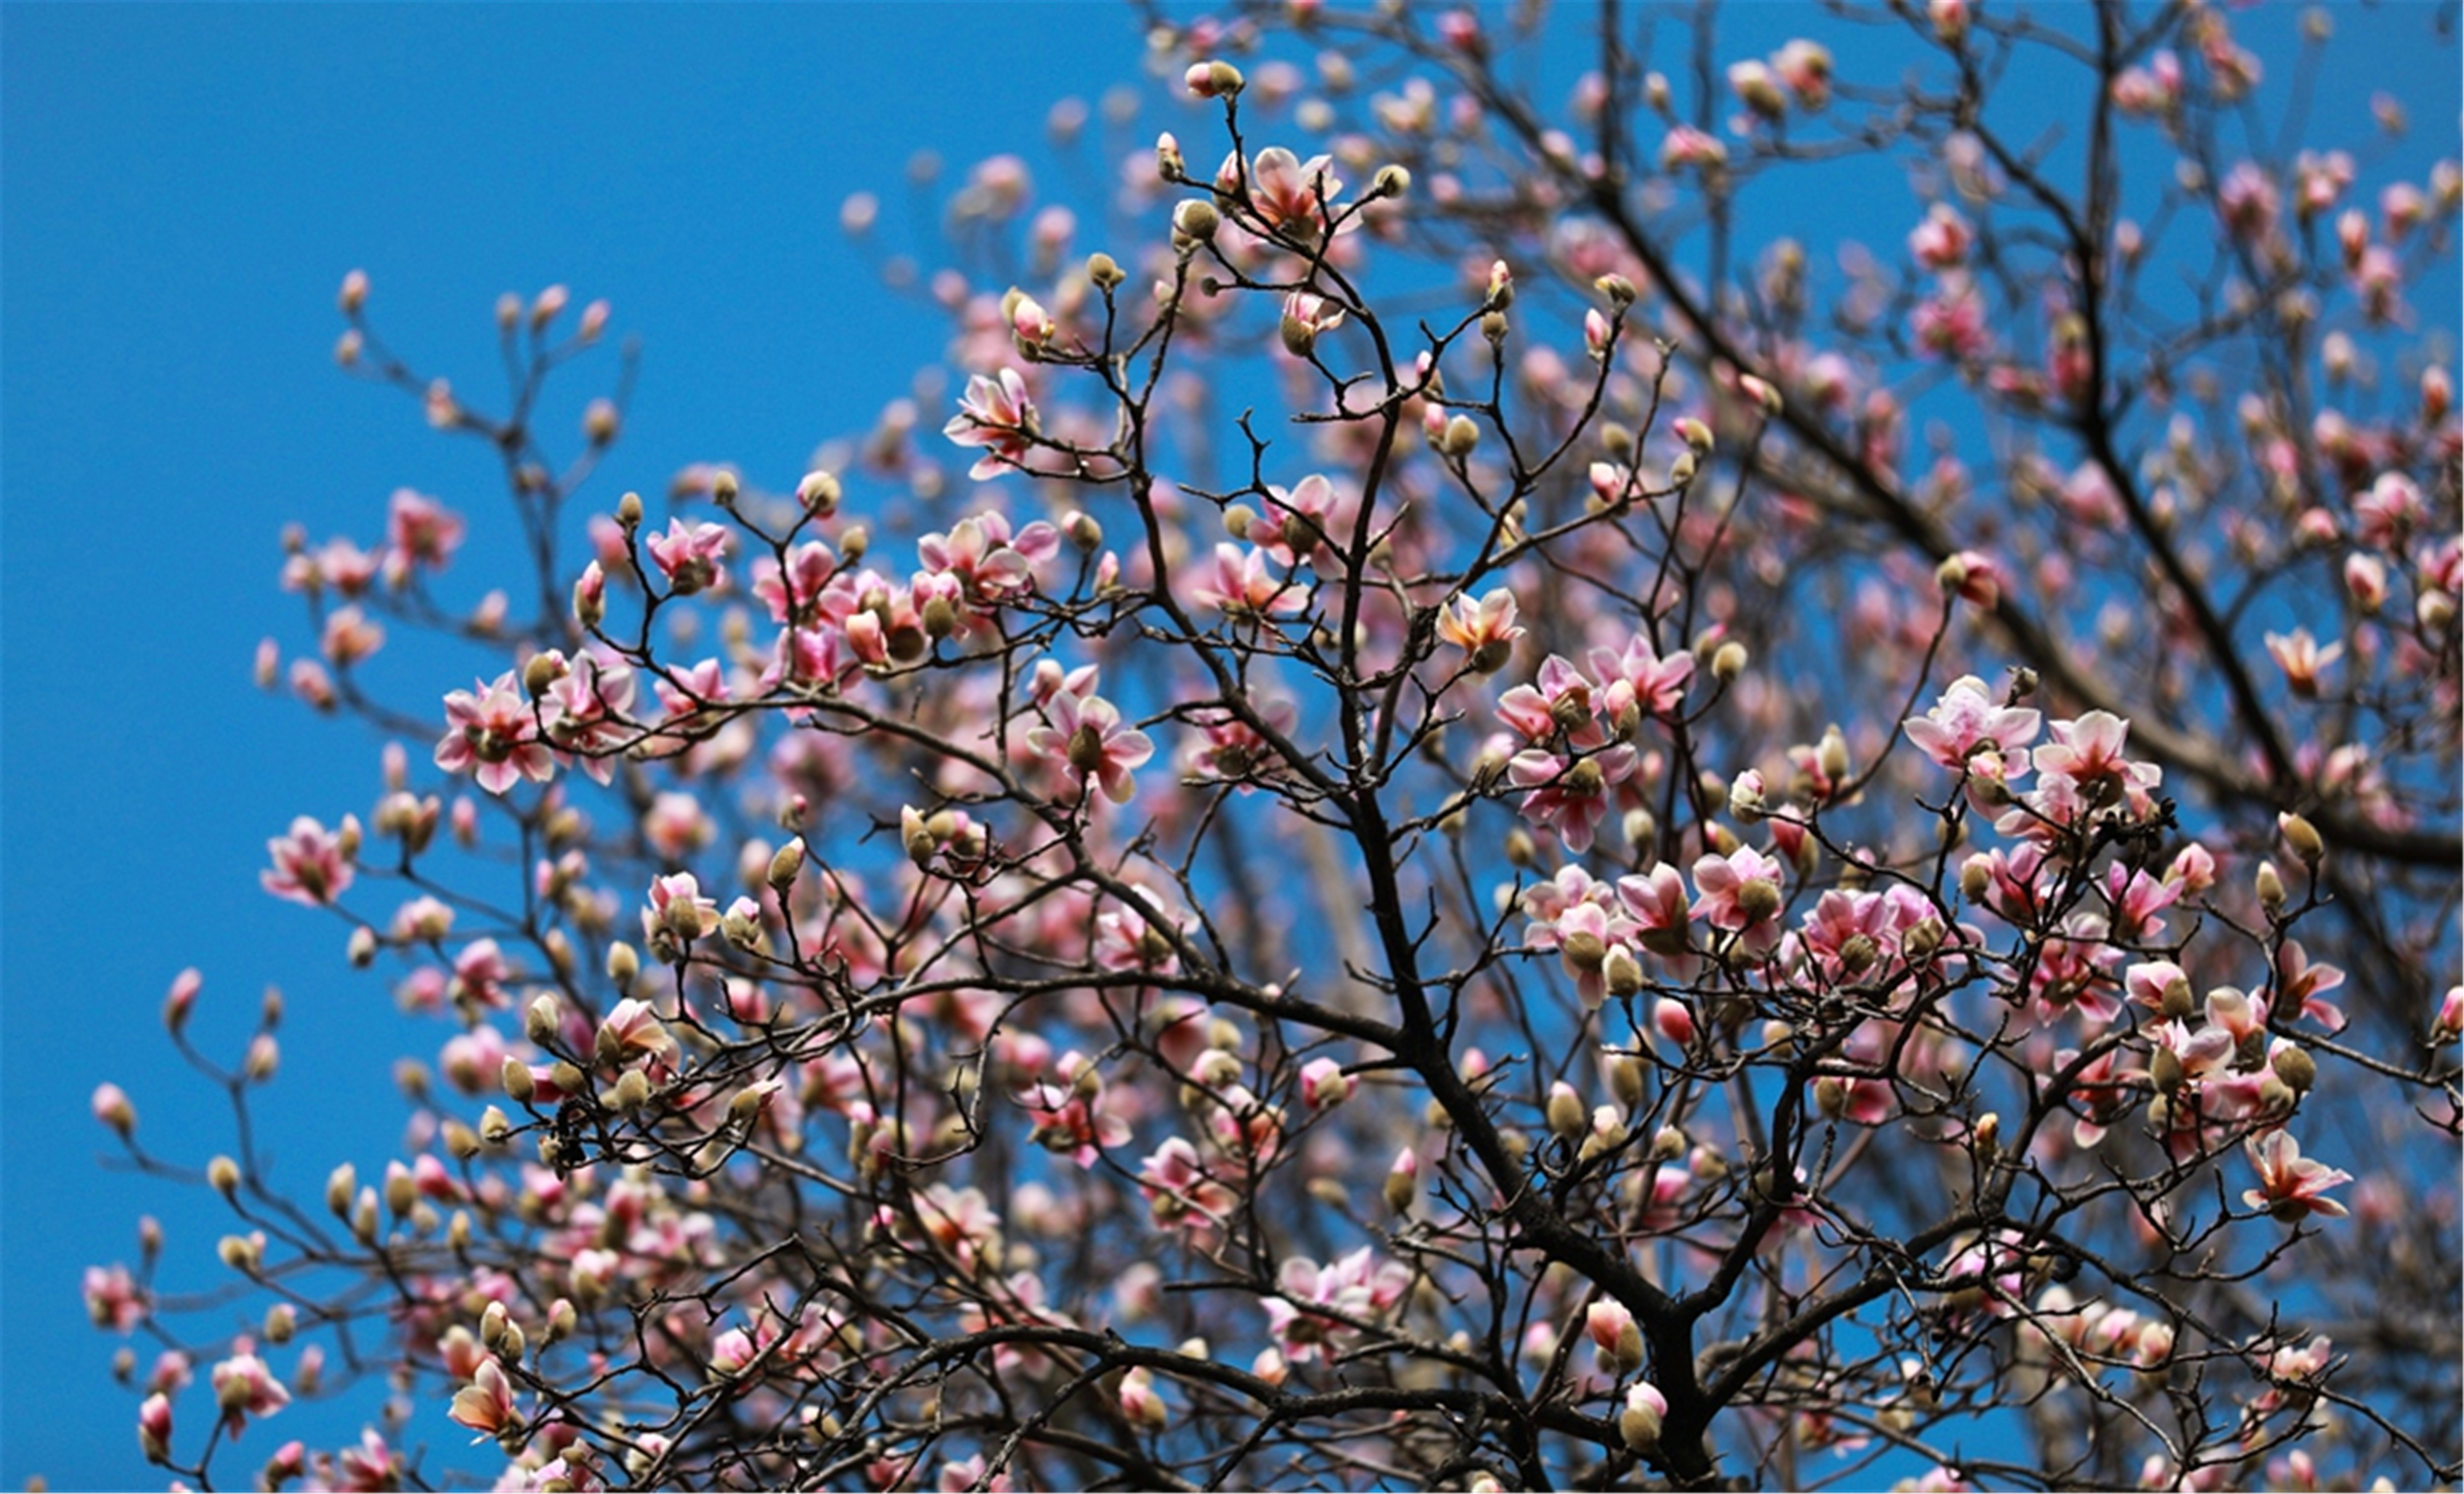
x=184 y=188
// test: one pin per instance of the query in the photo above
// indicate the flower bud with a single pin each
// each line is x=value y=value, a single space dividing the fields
x=2270 y=886
x=540 y=1019
x=819 y=492
x=629 y=510
x=1391 y=181
x=223 y=1174
x=1195 y=221
x=1617 y=288
x=2297 y=1068
x=2301 y=838
x=1460 y=438
x=1566 y=1117
x=1403 y=1181
x=1622 y=973
x=515 y=1077
x=1639 y=1422
x=1729 y=662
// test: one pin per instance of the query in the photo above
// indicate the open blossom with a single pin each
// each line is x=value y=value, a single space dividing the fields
x=1941 y=241
x=2302 y=659
x=1351 y=1287
x=1087 y=737
x=2291 y=1185
x=989 y=562
x=678 y=914
x=1966 y=731
x=1240 y=586
x=494 y=735
x=1295 y=196
x=419 y=530
x=1637 y=681
x=1740 y=892
x=309 y=866
x=244 y=1387
x=485 y=1405
x=1570 y=795
x=113 y=1299
x=689 y=556
x=1485 y=630
x=996 y=415
x=1179 y=1191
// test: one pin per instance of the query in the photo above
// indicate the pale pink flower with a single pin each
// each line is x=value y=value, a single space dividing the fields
x=1179 y=1191
x=1086 y=737
x=113 y=1299
x=309 y=867
x=1941 y=241
x=1639 y=682
x=244 y=1387
x=678 y=914
x=689 y=556
x=996 y=415
x=1295 y=196
x=485 y=1405
x=493 y=734
x=1240 y=586
x=2302 y=659
x=1740 y=892
x=2291 y=1185
x=1324 y=1084
x=154 y=1427
x=421 y=530
x=989 y=561
x=1485 y=630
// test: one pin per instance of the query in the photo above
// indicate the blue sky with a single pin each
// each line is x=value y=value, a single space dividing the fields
x=184 y=188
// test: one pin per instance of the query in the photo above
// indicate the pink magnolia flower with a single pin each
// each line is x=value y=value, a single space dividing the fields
x=309 y=866
x=2290 y=1185
x=1086 y=737
x=1240 y=585
x=1655 y=901
x=1351 y=1287
x=154 y=1427
x=689 y=556
x=244 y=1387
x=421 y=530
x=113 y=1299
x=494 y=735
x=1966 y=731
x=1180 y=1193
x=1570 y=795
x=1294 y=196
x=998 y=415
x=989 y=561
x=1941 y=241
x=1071 y=1116
x=2302 y=659
x=1639 y=682
x=1297 y=521
x=1324 y=1084
x=2088 y=750
x=1741 y=893
x=678 y=914
x=485 y=1405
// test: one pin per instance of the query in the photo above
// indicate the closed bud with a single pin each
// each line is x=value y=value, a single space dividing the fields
x=631 y=1091
x=624 y=963
x=1627 y=1080
x=241 y=1254
x=338 y=1186
x=1460 y=438
x=461 y=1142
x=223 y=1174
x=2301 y=838
x=2297 y=1068
x=540 y=1019
x=1831 y=1096
x=1976 y=878
x=629 y=510
x=2270 y=883
x=493 y=1323
x=1729 y=662
x=1566 y=1117
x=515 y=1077
x=362 y=948
x=1104 y=272
x=1391 y=181
x=494 y=1128
x=1084 y=532
x=1618 y=290
x=2165 y=1070
x=1520 y=848
x=1403 y=1182
x=1758 y=899
x=1638 y=1421
x=819 y=492
x=1195 y=221
x=281 y=1323
x=1622 y=972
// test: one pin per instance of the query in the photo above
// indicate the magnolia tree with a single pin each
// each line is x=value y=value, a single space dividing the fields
x=1512 y=831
